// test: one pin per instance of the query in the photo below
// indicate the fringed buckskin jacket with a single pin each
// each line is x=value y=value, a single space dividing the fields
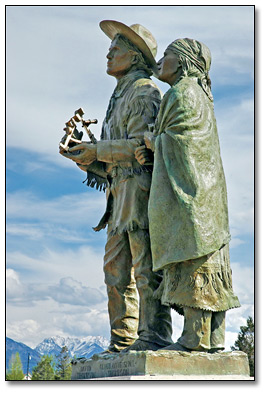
x=188 y=213
x=134 y=104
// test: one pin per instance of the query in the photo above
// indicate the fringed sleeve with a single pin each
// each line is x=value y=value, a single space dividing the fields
x=96 y=175
x=142 y=111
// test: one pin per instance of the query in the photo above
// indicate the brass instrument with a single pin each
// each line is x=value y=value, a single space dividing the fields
x=73 y=136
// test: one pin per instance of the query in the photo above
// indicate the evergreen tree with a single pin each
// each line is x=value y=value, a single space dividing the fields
x=245 y=343
x=15 y=372
x=43 y=371
x=63 y=366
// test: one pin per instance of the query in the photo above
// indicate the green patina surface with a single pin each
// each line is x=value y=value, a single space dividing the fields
x=188 y=213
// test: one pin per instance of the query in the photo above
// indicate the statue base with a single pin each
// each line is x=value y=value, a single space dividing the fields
x=163 y=364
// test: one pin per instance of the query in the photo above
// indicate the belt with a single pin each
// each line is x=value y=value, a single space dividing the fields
x=130 y=171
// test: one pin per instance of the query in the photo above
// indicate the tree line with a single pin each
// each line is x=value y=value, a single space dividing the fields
x=47 y=368
x=245 y=343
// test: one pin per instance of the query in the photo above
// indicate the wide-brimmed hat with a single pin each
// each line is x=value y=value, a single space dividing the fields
x=137 y=34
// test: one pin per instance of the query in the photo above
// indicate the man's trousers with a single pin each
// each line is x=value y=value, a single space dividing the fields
x=130 y=281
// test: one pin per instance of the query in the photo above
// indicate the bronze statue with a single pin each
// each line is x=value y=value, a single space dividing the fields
x=143 y=324
x=188 y=216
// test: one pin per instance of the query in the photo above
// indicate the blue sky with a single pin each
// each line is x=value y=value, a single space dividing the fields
x=56 y=63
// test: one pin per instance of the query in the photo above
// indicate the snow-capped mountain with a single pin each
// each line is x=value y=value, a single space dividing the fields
x=84 y=347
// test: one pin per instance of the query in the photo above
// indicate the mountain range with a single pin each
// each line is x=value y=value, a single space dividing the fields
x=12 y=347
x=84 y=347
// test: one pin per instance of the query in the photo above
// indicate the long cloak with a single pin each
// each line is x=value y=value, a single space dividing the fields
x=188 y=213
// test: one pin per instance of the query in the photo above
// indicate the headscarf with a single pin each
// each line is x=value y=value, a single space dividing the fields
x=200 y=57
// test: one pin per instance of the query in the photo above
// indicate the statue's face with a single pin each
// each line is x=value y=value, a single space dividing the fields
x=120 y=59
x=168 y=67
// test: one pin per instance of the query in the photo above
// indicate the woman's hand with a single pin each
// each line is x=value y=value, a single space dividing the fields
x=143 y=155
x=150 y=139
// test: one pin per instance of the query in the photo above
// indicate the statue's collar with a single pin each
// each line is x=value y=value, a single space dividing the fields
x=124 y=83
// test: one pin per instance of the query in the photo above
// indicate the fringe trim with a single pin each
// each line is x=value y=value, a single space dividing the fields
x=210 y=291
x=95 y=181
x=132 y=226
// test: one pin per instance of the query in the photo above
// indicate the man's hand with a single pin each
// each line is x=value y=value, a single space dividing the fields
x=143 y=155
x=87 y=155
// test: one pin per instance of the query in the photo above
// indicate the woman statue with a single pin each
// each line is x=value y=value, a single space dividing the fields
x=188 y=213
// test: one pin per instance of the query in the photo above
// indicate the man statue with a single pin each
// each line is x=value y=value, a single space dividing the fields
x=143 y=324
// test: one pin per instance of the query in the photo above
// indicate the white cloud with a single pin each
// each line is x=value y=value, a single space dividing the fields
x=94 y=322
x=66 y=291
x=235 y=126
x=50 y=238
x=24 y=330
x=45 y=86
x=14 y=288
x=65 y=219
x=45 y=230
x=70 y=291
x=238 y=317
x=243 y=283
x=67 y=209
x=30 y=231
x=235 y=120
x=235 y=241
x=230 y=338
x=85 y=264
x=61 y=316
x=47 y=318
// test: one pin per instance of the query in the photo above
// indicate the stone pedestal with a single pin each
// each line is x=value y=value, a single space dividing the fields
x=162 y=363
